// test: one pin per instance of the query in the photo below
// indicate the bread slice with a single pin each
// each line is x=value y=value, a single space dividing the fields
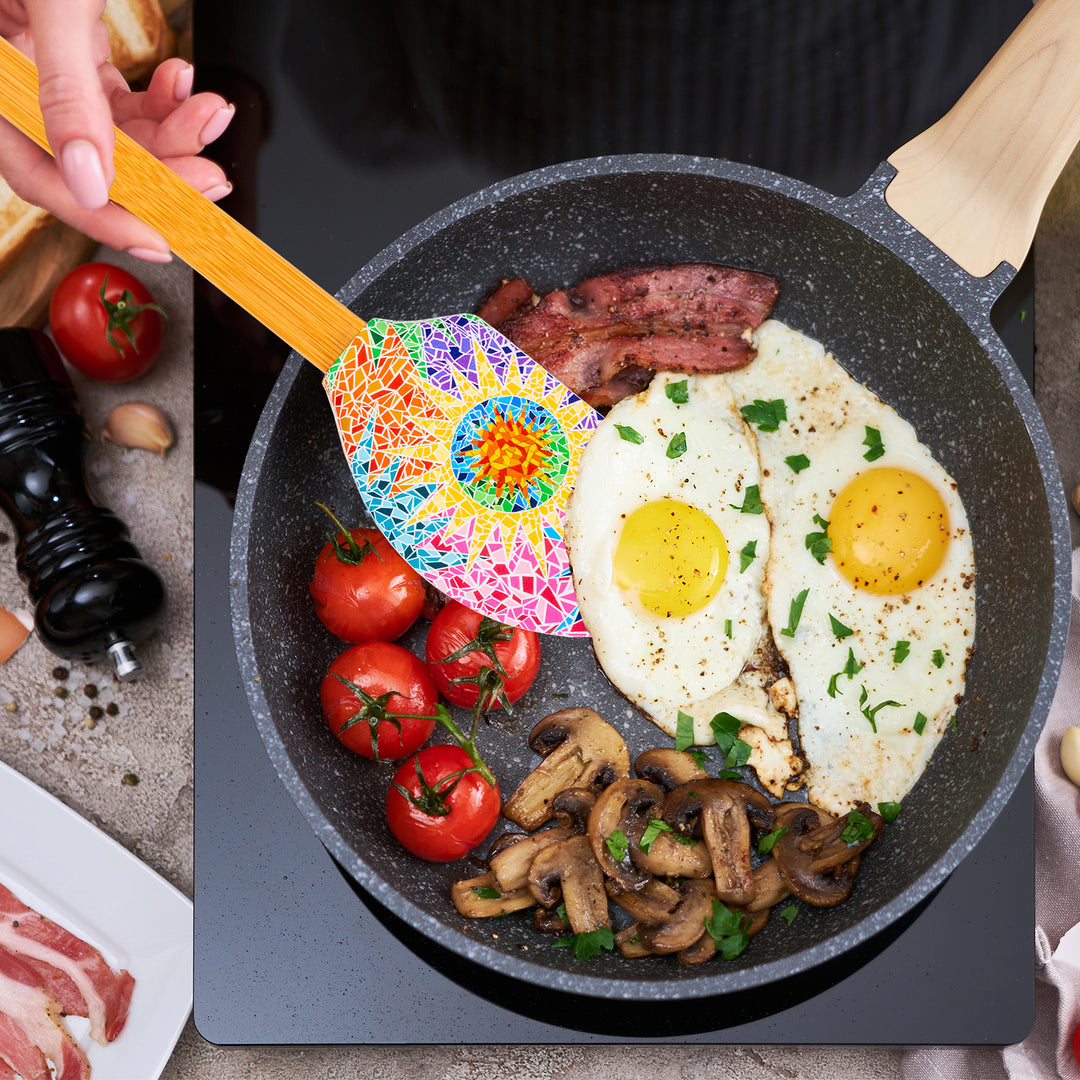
x=20 y=224
x=139 y=36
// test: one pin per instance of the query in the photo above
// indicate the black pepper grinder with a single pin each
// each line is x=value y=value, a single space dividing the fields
x=93 y=594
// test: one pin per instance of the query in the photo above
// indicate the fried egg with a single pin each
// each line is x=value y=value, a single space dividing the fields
x=668 y=544
x=870 y=579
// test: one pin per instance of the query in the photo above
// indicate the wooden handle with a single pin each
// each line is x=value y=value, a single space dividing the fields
x=229 y=256
x=975 y=183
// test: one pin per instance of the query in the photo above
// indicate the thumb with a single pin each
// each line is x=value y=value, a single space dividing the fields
x=69 y=41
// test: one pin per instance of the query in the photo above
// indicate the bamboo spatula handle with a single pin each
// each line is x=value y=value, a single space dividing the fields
x=229 y=256
x=975 y=183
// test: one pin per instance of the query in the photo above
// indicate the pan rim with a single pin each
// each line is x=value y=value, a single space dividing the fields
x=930 y=265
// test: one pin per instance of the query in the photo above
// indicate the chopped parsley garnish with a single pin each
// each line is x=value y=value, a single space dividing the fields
x=699 y=756
x=871 y=713
x=873 y=441
x=727 y=628
x=953 y=724
x=677 y=392
x=920 y=723
x=747 y=555
x=617 y=845
x=684 y=731
x=818 y=543
x=655 y=827
x=851 y=668
x=629 y=434
x=788 y=914
x=797 y=462
x=677 y=447
x=588 y=944
x=487 y=892
x=889 y=811
x=725 y=729
x=730 y=774
x=767 y=842
x=751 y=503
x=766 y=414
x=838 y=628
x=938 y=658
x=900 y=651
x=725 y=928
x=859 y=828
x=795 y=614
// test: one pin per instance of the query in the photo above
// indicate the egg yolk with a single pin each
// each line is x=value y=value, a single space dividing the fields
x=889 y=530
x=673 y=555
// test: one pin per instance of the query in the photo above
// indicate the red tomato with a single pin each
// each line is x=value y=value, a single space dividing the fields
x=105 y=322
x=364 y=590
x=460 y=643
x=378 y=687
x=449 y=806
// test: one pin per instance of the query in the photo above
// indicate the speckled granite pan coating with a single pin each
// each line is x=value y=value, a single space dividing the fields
x=896 y=312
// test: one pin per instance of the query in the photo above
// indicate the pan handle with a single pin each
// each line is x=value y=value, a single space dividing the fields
x=975 y=183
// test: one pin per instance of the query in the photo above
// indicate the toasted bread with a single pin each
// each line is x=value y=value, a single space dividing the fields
x=20 y=224
x=139 y=36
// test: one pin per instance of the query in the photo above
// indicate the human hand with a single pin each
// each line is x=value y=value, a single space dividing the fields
x=82 y=96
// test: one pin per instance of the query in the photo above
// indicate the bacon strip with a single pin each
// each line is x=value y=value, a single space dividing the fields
x=31 y=1030
x=606 y=337
x=74 y=972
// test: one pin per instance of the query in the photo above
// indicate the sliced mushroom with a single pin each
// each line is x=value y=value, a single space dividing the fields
x=686 y=923
x=667 y=768
x=818 y=865
x=549 y=922
x=721 y=811
x=573 y=806
x=511 y=865
x=568 y=870
x=648 y=906
x=630 y=943
x=473 y=900
x=580 y=749
x=770 y=887
x=624 y=807
x=670 y=855
x=705 y=948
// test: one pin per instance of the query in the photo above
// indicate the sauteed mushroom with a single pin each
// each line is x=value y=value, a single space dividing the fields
x=686 y=923
x=667 y=768
x=573 y=806
x=567 y=870
x=623 y=807
x=580 y=749
x=510 y=865
x=721 y=811
x=473 y=898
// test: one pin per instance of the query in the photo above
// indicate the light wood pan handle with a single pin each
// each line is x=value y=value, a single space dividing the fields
x=283 y=299
x=975 y=183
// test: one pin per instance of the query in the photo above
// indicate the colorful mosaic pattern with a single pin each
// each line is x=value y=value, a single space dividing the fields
x=461 y=447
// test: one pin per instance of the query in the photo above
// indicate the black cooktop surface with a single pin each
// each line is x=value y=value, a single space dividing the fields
x=354 y=122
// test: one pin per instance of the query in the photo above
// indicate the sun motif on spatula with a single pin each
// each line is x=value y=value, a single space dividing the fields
x=462 y=448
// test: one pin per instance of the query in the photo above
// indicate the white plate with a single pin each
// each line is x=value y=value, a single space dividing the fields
x=68 y=870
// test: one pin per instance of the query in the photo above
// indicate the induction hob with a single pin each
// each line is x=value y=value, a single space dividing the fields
x=354 y=122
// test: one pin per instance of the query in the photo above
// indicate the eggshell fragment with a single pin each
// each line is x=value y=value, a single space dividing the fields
x=14 y=630
x=1070 y=754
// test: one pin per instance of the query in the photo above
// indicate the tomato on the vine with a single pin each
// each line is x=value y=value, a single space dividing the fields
x=363 y=589
x=379 y=700
x=464 y=648
x=105 y=322
x=442 y=803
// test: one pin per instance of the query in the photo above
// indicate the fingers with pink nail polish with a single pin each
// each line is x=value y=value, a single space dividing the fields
x=83 y=173
x=217 y=124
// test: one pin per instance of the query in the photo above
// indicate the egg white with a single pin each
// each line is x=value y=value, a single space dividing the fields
x=827 y=415
x=689 y=664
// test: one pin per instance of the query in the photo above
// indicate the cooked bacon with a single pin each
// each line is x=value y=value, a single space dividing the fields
x=606 y=337
x=509 y=300
x=74 y=972
x=31 y=1028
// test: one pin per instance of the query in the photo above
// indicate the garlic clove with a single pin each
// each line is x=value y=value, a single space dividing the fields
x=1070 y=754
x=139 y=425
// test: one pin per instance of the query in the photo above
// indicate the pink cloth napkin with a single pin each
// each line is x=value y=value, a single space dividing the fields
x=1046 y=1054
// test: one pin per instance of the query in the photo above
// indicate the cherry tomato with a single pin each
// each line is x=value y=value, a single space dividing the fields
x=372 y=695
x=105 y=322
x=439 y=805
x=363 y=589
x=461 y=644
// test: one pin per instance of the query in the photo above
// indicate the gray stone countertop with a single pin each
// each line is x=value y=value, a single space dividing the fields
x=129 y=770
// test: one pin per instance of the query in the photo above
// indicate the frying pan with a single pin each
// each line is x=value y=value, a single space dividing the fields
x=896 y=311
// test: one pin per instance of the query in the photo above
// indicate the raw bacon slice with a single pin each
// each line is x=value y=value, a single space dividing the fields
x=606 y=337
x=74 y=972
x=31 y=1028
